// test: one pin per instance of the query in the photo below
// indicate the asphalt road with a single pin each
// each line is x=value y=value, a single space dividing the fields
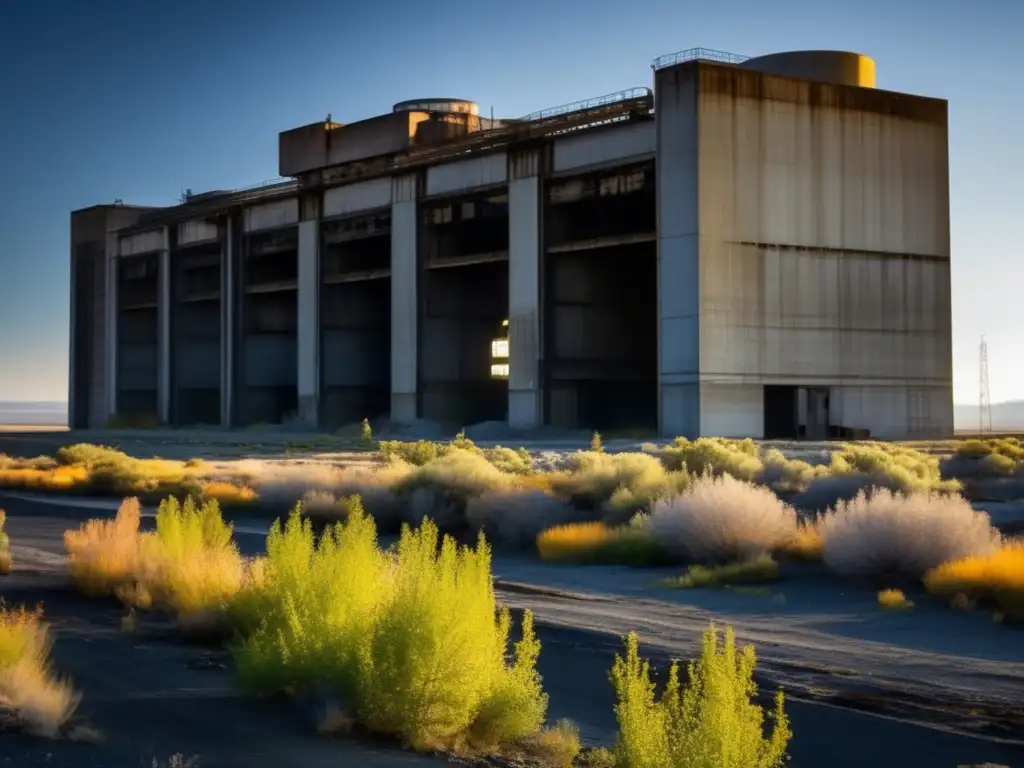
x=152 y=698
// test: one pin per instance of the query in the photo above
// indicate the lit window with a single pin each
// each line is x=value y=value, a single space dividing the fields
x=499 y=348
x=499 y=371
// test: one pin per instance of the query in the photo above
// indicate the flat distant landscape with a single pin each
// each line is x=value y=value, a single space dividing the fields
x=1006 y=417
x=39 y=414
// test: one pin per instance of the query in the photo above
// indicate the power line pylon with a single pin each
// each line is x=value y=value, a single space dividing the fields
x=984 y=400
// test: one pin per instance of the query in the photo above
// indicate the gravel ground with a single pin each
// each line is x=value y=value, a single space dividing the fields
x=930 y=688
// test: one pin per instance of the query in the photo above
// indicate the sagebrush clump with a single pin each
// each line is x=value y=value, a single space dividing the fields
x=715 y=456
x=721 y=519
x=710 y=720
x=891 y=533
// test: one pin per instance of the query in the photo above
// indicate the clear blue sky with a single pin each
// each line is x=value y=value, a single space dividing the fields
x=136 y=100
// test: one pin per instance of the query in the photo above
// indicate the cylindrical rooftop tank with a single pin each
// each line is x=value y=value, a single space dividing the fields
x=438 y=105
x=839 y=67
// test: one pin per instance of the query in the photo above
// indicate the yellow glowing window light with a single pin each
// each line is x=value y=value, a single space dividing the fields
x=499 y=355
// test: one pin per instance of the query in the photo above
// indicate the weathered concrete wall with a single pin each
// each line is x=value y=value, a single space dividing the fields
x=484 y=171
x=824 y=252
x=609 y=146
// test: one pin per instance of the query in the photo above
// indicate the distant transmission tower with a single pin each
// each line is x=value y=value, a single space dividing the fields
x=984 y=401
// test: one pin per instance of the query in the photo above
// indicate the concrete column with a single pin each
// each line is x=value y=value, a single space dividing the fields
x=227 y=321
x=110 y=264
x=72 y=328
x=405 y=275
x=309 y=322
x=679 y=404
x=163 y=364
x=525 y=220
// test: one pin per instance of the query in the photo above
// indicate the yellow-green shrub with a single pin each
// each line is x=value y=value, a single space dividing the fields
x=617 y=484
x=190 y=563
x=711 y=720
x=757 y=570
x=411 y=641
x=717 y=455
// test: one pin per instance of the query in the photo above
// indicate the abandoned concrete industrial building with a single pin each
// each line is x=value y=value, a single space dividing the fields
x=754 y=247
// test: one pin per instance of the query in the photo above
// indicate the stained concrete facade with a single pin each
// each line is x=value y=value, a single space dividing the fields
x=735 y=253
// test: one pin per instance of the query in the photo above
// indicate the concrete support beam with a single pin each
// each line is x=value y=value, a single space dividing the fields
x=110 y=264
x=227 y=321
x=405 y=277
x=163 y=364
x=679 y=402
x=308 y=341
x=525 y=220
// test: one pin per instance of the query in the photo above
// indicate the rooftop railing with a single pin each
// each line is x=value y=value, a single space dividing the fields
x=697 y=54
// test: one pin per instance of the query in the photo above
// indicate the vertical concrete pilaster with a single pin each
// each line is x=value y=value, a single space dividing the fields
x=73 y=406
x=308 y=341
x=163 y=364
x=677 y=180
x=525 y=220
x=227 y=321
x=405 y=276
x=110 y=269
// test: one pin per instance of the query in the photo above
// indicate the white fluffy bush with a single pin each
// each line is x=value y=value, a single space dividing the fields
x=888 y=533
x=721 y=518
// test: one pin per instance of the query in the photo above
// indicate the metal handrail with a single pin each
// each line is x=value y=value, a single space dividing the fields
x=697 y=54
x=580 y=106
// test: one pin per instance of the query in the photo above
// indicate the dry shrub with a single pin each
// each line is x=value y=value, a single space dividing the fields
x=38 y=700
x=860 y=467
x=894 y=600
x=188 y=564
x=806 y=544
x=889 y=533
x=757 y=570
x=722 y=519
x=102 y=554
x=996 y=578
x=715 y=456
x=598 y=543
x=617 y=484
x=5 y=546
x=555 y=747
x=788 y=475
x=226 y=493
x=421 y=452
x=84 y=467
x=441 y=489
x=514 y=518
